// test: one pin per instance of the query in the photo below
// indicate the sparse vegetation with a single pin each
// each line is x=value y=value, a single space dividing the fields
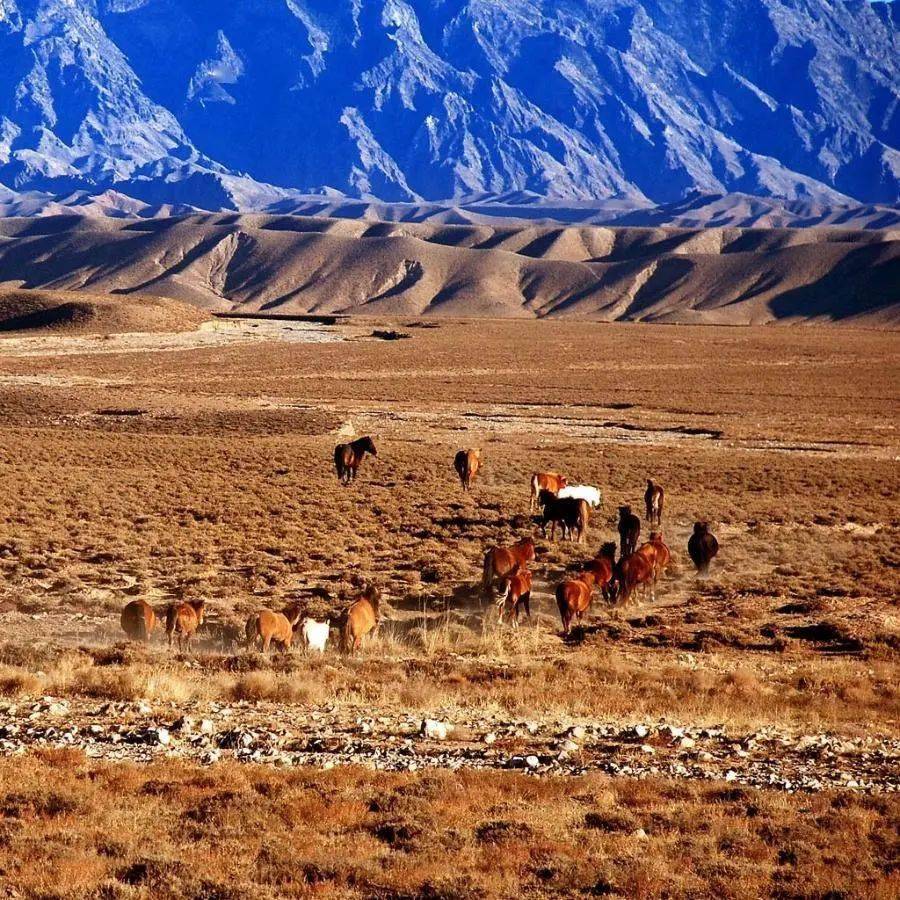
x=223 y=488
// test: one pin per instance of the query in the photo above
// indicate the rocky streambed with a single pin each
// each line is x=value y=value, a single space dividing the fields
x=327 y=736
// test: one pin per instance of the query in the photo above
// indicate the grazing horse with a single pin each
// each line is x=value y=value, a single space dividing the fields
x=602 y=567
x=501 y=562
x=545 y=481
x=629 y=531
x=347 y=457
x=573 y=597
x=569 y=513
x=467 y=464
x=183 y=620
x=270 y=627
x=632 y=571
x=138 y=620
x=360 y=619
x=658 y=555
x=516 y=596
x=702 y=547
x=582 y=492
x=653 y=500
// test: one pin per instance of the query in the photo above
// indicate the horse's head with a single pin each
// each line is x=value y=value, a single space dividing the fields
x=655 y=537
x=701 y=527
x=545 y=496
x=608 y=550
x=292 y=612
x=199 y=607
x=373 y=595
x=528 y=547
x=624 y=511
x=563 y=482
x=367 y=445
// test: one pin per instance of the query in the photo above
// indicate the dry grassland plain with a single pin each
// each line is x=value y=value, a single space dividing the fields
x=136 y=467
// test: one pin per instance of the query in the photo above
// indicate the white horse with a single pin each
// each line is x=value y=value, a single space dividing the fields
x=590 y=495
x=314 y=634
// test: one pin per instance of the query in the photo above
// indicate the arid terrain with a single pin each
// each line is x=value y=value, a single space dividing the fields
x=738 y=736
x=294 y=264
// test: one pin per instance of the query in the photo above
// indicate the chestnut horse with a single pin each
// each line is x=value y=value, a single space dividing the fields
x=702 y=547
x=347 y=457
x=501 y=562
x=273 y=627
x=602 y=567
x=183 y=620
x=360 y=619
x=573 y=597
x=138 y=620
x=632 y=571
x=545 y=481
x=658 y=555
x=467 y=464
x=629 y=531
x=515 y=596
x=653 y=501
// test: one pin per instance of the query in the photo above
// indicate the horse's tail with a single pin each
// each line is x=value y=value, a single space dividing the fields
x=487 y=575
x=346 y=635
x=251 y=630
x=171 y=618
x=142 y=631
x=659 y=507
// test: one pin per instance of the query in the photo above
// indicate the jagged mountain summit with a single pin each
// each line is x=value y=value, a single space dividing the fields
x=251 y=103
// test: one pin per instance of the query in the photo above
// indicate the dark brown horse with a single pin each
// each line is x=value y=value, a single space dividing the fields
x=467 y=464
x=702 y=547
x=602 y=567
x=629 y=531
x=571 y=514
x=516 y=595
x=653 y=501
x=573 y=598
x=347 y=457
x=502 y=562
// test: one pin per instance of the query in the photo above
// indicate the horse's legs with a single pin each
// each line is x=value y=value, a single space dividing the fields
x=526 y=602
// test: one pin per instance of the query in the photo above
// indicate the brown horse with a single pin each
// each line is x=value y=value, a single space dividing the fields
x=546 y=481
x=138 y=620
x=631 y=572
x=501 y=562
x=467 y=464
x=360 y=619
x=702 y=547
x=273 y=627
x=516 y=595
x=183 y=620
x=573 y=598
x=347 y=457
x=653 y=501
x=658 y=555
x=629 y=531
x=570 y=513
x=602 y=567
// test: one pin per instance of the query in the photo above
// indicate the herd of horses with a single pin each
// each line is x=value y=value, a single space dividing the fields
x=506 y=576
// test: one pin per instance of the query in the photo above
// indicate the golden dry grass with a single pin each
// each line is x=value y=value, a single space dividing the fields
x=78 y=829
